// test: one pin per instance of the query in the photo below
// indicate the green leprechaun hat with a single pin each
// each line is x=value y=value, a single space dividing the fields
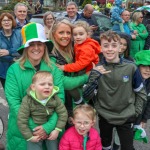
x=34 y=32
x=140 y=134
x=143 y=58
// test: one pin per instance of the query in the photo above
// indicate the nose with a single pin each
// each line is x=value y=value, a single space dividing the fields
x=65 y=35
x=35 y=46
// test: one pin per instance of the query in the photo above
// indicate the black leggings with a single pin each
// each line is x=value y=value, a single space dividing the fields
x=125 y=133
x=2 y=82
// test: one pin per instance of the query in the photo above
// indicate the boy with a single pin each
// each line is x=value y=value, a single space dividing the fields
x=142 y=59
x=120 y=93
x=39 y=104
x=116 y=14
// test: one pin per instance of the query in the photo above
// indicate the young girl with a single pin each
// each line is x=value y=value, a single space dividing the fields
x=82 y=136
x=86 y=52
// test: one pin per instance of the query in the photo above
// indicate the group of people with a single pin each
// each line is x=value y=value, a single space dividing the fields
x=49 y=88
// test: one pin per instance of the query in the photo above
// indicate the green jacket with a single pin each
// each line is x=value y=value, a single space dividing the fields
x=32 y=107
x=139 y=43
x=120 y=93
x=17 y=82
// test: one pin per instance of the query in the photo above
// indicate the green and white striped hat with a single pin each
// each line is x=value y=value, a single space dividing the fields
x=34 y=32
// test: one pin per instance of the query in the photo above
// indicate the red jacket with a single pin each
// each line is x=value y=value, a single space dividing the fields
x=85 y=54
x=71 y=140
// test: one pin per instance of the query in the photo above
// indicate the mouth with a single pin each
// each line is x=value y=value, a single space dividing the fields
x=36 y=52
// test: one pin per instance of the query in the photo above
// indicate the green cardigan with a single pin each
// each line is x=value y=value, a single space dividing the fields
x=138 y=43
x=32 y=107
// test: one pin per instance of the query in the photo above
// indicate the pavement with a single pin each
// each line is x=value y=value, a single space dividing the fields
x=4 y=115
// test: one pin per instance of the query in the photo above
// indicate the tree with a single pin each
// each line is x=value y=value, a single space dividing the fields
x=86 y=2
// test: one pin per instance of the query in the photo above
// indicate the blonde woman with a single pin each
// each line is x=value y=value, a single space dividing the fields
x=62 y=53
x=141 y=35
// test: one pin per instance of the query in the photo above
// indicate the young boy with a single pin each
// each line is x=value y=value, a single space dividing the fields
x=142 y=59
x=39 y=104
x=120 y=93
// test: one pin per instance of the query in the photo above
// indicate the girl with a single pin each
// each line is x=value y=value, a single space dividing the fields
x=82 y=135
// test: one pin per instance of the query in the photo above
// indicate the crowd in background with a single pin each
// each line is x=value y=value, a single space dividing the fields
x=54 y=75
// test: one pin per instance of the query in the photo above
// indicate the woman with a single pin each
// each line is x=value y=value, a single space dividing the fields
x=61 y=35
x=139 y=42
x=48 y=20
x=125 y=46
x=34 y=58
x=10 y=41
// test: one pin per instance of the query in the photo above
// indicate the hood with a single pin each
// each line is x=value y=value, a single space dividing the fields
x=95 y=45
x=33 y=95
x=118 y=3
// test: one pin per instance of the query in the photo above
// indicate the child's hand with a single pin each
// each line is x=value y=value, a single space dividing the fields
x=143 y=124
x=53 y=135
x=101 y=69
x=61 y=67
x=35 y=139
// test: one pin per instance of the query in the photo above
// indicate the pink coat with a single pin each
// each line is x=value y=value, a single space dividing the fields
x=71 y=140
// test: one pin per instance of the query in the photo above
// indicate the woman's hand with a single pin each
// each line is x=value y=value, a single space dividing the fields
x=4 y=52
x=53 y=135
x=39 y=131
x=61 y=67
x=101 y=69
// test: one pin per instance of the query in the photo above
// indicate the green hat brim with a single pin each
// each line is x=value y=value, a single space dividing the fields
x=48 y=43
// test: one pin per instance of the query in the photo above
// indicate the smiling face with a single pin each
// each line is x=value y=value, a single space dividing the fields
x=145 y=71
x=62 y=35
x=35 y=52
x=21 y=13
x=123 y=46
x=110 y=50
x=49 y=21
x=79 y=35
x=6 y=23
x=43 y=87
x=71 y=11
x=82 y=123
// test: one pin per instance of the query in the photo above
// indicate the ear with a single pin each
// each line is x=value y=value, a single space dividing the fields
x=32 y=86
x=72 y=120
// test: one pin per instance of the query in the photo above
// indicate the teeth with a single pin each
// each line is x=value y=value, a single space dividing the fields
x=35 y=52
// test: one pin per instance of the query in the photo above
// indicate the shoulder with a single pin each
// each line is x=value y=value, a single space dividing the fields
x=129 y=63
x=70 y=134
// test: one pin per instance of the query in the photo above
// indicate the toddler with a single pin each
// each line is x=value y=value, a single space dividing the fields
x=40 y=103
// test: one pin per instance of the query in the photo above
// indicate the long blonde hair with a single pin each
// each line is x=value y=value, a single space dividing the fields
x=68 y=51
x=24 y=57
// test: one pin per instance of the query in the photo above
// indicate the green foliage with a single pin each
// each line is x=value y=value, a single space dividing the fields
x=10 y=6
x=86 y=2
